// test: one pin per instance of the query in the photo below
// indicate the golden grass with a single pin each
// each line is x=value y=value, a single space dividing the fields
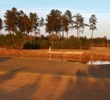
x=101 y=53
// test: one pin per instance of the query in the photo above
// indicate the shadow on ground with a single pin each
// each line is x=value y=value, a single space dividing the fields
x=2 y=59
x=88 y=82
x=91 y=85
x=23 y=93
x=95 y=71
x=9 y=75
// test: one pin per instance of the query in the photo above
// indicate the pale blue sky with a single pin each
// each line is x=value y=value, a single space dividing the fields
x=101 y=8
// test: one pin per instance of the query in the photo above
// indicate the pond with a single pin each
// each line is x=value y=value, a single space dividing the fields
x=79 y=61
x=91 y=62
x=97 y=62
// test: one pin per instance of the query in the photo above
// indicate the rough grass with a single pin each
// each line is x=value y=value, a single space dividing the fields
x=95 y=54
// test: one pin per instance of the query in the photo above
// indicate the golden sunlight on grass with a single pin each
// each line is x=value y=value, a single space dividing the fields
x=34 y=86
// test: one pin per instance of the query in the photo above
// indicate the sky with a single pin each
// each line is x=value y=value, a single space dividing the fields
x=100 y=8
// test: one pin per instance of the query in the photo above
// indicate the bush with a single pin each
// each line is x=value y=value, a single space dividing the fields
x=44 y=44
x=74 y=43
x=85 y=43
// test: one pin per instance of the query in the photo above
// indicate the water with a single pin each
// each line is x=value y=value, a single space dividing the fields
x=97 y=62
x=91 y=62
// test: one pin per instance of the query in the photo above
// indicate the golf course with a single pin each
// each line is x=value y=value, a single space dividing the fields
x=55 y=50
x=39 y=79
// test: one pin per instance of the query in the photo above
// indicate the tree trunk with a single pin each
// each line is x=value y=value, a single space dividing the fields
x=34 y=36
x=52 y=39
x=77 y=34
x=67 y=35
x=56 y=36
x=63 y=34
x=91 y=38
x=30 y=37
x=67 y=40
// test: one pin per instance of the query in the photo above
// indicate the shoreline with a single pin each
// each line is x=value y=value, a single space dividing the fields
x=62 y=55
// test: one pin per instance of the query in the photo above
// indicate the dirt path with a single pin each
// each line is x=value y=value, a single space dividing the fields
x=33 y=79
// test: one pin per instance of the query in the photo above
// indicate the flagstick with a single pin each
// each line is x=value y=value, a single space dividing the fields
x=50 y=57
x=50 y=54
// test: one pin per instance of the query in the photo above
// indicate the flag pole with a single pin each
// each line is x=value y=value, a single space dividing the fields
x=50 y=54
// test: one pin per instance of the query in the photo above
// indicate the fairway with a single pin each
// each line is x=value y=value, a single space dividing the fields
x=35 y=79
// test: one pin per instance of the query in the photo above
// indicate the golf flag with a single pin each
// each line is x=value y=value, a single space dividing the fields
x=50 y=48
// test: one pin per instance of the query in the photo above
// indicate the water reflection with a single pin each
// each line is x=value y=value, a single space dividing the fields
x=79 y=60
x=91 y=62
x=97 y=62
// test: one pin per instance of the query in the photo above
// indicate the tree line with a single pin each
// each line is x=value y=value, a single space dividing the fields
x=21 y=26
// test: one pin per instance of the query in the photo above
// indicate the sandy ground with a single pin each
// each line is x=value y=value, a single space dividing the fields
x=34 y=79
